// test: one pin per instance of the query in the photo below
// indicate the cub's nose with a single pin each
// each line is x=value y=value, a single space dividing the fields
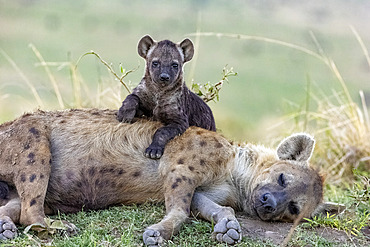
x=164 y=77
x=268 y=202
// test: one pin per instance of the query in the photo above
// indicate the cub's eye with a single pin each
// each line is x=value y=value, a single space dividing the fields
x=281 y=180
x=175 y=65
x=155 y=64
x=293 y=208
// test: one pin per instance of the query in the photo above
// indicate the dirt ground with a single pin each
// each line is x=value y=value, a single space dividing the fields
x=276 y=232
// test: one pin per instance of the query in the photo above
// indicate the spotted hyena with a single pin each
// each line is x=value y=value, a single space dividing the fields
x=65 y=161
x=163 y=95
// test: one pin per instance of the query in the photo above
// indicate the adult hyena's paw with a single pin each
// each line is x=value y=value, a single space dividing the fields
x=228 y=231
x=7 y=228
x=154 y=151
x=152 y=237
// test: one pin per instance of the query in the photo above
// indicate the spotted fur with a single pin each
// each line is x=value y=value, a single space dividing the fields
x=71 y=160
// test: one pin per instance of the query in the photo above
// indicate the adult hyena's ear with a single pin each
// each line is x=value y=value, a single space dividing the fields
x=328 y=208
x=297 y=147
x=187 y=48
x=144 y=45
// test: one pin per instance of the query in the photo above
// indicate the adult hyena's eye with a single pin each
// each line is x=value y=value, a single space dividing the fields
x=281 y=180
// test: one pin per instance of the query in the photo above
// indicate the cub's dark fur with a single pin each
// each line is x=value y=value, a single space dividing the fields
x=163 y=95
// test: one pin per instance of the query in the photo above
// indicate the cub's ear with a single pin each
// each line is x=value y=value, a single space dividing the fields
x=144 y=45
x=187 y=48
x=298 y=147
x=328 y=208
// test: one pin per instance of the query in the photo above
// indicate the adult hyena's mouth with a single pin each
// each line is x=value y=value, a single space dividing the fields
x=256 y=212
x=262 y=214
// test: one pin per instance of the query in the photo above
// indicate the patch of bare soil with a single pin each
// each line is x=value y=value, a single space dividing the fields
x=276 y=232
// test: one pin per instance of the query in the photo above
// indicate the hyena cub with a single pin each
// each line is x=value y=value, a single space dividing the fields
x=163 y=95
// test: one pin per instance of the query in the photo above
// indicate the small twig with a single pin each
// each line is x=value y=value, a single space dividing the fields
x=109 y=67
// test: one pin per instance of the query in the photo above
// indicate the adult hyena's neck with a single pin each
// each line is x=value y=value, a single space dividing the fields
x=241 y=175
x=250 y=160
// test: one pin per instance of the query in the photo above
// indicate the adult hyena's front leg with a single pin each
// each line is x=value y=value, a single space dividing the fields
x=32 y=180
x=227 y=228
x=179 y=188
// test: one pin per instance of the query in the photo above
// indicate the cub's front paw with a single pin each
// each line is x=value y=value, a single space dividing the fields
x=125 y=115
x=154 y=152
x=7 y=228
x=152 y=237
x=228 y=231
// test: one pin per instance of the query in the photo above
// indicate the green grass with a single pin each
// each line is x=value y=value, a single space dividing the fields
x=123 y=226
x=355 y=217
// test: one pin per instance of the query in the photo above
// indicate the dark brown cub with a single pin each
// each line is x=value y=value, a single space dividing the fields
x=163 y=95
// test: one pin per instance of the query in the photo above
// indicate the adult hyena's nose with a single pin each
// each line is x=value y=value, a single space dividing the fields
x=268 y=202
x=164 y=77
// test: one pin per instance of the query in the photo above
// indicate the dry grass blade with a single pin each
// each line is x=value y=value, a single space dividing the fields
x=341 y=129
x=25 y=79
x=365 y=110
x=264 y=39
x=363 y=47
x=289 y=236
x=340 y=126
x=190 y=74
x=321 y=55
x=344 y=139
x=51 y=77
x=76 y=83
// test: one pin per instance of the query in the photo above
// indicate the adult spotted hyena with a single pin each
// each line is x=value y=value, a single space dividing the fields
x=68 y=160
x=163 y=95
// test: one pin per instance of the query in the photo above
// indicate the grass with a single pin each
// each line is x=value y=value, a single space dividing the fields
x=356 y=216
x=117 y=226
x=123 y=226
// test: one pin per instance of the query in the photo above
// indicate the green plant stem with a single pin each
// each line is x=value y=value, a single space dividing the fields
x=120 y=78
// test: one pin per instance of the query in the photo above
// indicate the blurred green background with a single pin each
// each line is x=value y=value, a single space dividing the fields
x=271 y=79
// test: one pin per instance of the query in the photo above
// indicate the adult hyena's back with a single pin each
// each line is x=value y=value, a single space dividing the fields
x=101 y=164
x=91 y=154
